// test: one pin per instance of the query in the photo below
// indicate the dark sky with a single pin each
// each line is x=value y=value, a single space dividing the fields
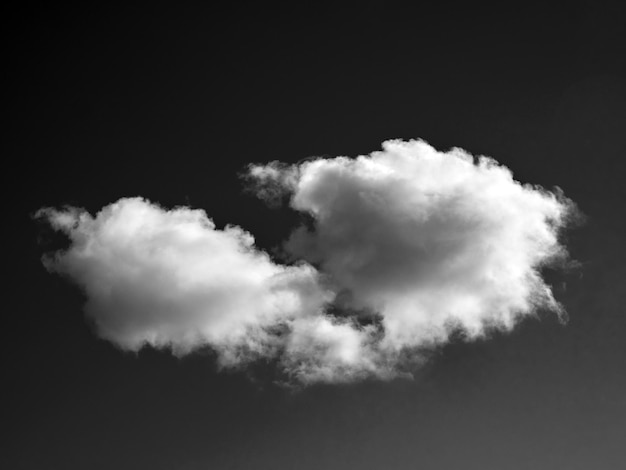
x=172 y=103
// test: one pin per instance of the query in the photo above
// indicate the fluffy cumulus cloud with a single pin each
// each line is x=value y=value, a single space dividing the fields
x=401 y=248
x=171 y=279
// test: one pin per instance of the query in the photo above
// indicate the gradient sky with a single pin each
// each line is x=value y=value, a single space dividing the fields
x=171 y=104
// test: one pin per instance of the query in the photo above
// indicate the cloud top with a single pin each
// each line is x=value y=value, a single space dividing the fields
x=403 y=247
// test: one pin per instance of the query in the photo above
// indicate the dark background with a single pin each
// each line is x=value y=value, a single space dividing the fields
x=172 y=103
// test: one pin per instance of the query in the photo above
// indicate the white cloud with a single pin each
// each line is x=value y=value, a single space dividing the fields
x=171 y=279
x=429 y=240
x=408 y=243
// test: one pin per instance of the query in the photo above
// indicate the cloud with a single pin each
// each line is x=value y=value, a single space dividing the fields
x=430 y=241
x=402 y=248
x=171 y=279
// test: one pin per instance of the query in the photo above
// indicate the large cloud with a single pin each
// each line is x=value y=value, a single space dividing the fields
x=431 y=241
x=409 y=244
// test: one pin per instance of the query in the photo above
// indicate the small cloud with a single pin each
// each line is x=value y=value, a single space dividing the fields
x=171 y=279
